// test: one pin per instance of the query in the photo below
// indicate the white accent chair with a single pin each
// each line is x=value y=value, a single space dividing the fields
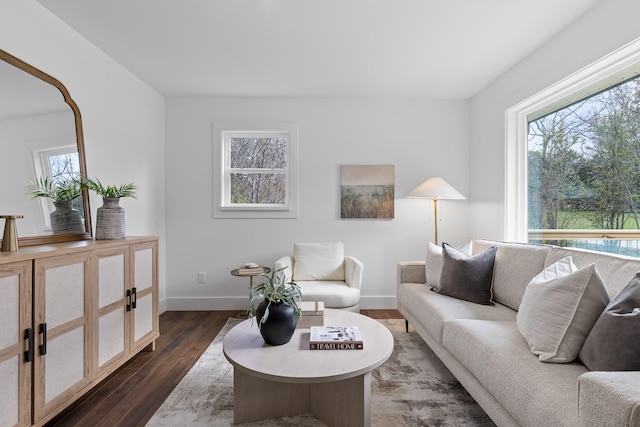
x=325 y=274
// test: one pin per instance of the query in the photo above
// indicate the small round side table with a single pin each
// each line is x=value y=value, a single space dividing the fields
x=236 y=272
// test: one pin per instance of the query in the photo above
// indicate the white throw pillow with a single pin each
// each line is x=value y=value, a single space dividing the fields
x=318 y=261
x=433 y=262
x=559 y=307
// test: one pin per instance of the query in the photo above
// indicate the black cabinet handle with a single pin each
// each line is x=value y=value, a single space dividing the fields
x=43 y=346
x=128 y=299
x=28 y=355
x=134 y=300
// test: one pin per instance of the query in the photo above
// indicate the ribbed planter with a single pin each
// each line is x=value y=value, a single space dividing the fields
x=110 y=224
x=65 y=219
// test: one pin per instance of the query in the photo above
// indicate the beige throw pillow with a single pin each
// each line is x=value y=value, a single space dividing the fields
x=559 y=307
x=318 y=261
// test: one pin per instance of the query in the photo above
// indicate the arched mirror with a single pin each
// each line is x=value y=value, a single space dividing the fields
x=40 y=138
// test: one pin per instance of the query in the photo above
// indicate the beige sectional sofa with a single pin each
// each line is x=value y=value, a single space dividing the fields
x=483 y=348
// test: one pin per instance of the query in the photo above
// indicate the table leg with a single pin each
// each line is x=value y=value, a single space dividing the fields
x=343 y=403
x=257 y=399
x=247 y=314
x=340 y=403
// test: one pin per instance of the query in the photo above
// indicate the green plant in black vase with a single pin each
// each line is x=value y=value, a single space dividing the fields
x=278 y=308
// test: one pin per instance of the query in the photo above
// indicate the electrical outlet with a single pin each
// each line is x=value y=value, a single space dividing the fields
x=202 y=277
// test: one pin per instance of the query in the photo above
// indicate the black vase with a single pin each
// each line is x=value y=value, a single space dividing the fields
x=280 y=325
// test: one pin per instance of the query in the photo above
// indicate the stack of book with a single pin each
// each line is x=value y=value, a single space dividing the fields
x=251 y=269
x=335 y=338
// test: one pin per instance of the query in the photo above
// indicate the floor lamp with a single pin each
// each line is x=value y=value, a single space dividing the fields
x=435 y=188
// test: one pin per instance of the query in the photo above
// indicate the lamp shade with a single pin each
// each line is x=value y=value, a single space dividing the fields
x=435 y=188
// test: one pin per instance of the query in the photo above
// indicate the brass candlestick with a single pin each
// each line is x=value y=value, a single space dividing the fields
x=10 y=236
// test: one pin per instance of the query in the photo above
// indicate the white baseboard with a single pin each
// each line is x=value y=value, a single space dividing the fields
x=237 y=303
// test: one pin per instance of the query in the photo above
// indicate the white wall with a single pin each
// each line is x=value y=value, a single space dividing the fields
x=123 y=117
x=607 y=27
x=421 y=138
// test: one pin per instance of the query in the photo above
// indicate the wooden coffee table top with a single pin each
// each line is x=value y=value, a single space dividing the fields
x=293 y=362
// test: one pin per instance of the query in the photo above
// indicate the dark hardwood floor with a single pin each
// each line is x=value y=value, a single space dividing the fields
x=132 y=394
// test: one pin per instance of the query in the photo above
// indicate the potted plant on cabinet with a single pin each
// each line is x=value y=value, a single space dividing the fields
x=110 y=218
x=278 y=310
x=65 y=218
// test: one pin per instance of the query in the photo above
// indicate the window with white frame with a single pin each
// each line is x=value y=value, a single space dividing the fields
x=572 y=177
x=257 y=177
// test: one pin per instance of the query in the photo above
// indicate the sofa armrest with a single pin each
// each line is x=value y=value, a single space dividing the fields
x=353 y=272
x=285 y=262
x=609 y=398
x=411 y=272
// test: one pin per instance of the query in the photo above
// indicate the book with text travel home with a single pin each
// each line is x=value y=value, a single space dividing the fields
x=335 y=338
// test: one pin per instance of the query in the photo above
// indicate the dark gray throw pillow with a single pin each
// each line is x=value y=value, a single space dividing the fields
x=467 y=277
x=614 y=341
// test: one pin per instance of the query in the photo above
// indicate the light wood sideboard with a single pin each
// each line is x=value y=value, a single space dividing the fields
x=70 y=315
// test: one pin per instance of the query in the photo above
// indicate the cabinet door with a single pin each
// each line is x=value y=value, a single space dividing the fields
x=62 y=304
x=112 y=340
x=144 y=281
x=15 y=322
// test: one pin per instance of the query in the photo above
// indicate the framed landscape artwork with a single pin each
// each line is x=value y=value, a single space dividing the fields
x=367 y=191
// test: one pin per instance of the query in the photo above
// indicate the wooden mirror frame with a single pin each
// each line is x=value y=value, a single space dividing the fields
x=67 y=237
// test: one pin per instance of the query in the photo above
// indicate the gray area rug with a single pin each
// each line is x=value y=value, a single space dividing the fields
x=413 y=388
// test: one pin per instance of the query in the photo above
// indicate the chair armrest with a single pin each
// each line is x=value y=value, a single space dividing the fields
x=353 y=272
x=285 y=262
x=609 y=398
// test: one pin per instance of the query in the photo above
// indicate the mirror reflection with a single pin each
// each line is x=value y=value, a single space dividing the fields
x=40 y=151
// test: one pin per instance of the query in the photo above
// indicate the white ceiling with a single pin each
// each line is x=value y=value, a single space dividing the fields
x=319 y=48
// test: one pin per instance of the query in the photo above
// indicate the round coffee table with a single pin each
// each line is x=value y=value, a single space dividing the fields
x=277 y=381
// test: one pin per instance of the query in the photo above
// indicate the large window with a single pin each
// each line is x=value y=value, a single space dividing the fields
x=573 y=159
x=257 y=172
x=584 y=169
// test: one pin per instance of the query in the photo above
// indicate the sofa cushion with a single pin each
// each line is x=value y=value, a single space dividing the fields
x=434 y=309
x=516 y=264
x=318 y=261
x=433 y=262
x=467 y=277
x=559 y=308
x=614 y=341
x=615 y=270
x=534 y=393
x=335 y=294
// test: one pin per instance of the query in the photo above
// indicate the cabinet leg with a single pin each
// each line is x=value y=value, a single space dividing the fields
x=151 y=346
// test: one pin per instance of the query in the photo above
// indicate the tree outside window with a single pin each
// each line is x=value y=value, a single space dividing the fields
x=258 y=170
